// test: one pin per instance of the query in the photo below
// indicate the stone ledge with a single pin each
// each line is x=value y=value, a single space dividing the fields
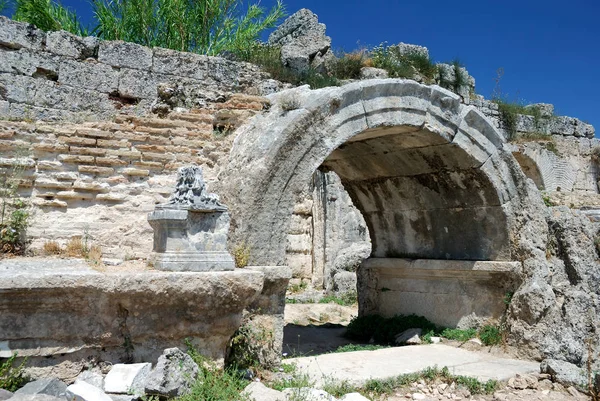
x=441 y=268
x=61 y=311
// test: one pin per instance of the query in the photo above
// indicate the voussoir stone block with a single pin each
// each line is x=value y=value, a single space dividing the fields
x=125 y=54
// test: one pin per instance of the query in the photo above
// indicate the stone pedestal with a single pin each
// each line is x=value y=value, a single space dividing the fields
x=190 y=232
x=190 y=240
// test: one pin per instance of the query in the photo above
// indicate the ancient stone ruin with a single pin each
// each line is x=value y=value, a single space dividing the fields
x=190 y=231
x=399 y=189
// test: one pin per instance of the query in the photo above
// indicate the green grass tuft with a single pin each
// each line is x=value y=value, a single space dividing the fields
x=359 y=347
x=490 y=335
x=345 y=299
x=459 y=335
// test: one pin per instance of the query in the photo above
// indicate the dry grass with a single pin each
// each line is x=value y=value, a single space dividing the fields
x=52 y=248
x=95 y=254
x=74 y=248
x=241 y=255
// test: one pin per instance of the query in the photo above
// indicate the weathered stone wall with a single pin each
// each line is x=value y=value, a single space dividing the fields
x=547 y=123
x=564 y=164
x=58 y=76
x=100 y=179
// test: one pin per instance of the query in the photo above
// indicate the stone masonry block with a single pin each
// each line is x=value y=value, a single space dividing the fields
x=50 y=94
x=180 y=64
x=94 y=76
x=66 y=44
x=16 y=35
x=123 y=54
x=137 y=84
x=29 y=62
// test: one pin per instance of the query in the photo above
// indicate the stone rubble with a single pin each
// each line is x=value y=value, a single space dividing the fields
x=409 y=337
x=49 y=386
x=127 y=378
x=173 y=375
x=303 y=42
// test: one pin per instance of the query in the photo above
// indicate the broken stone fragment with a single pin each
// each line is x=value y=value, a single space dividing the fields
x=409 y=337
x=174 y=374
x=83 y=391
x=127 y=378
x=53 y=387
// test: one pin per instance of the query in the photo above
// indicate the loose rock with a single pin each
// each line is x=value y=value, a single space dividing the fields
x=53 y=387
x=173 y=375
x=127 y=378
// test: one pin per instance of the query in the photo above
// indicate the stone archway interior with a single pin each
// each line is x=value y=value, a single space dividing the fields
x=422 y=197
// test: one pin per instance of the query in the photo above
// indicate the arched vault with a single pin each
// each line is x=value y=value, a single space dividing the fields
x=429 y=174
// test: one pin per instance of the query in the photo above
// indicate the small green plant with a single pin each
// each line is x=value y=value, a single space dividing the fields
x=214 y=383
x=12 y=377
x=296 y=380
x=384 y=330
x=547 y=200
x=429 y=375
x=359 y=347
x=299 y=287
x=459 y=335
x=288 y=368
x=14 y=215
x=248 y=343
x=402 y=65
x=507 y=299
x=362 y=328
x=490 y=335
x=454 y=80
x=338 y=388
x=348 y=298
x=348 y=65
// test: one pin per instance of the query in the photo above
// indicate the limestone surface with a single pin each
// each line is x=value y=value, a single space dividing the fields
x=129 y=317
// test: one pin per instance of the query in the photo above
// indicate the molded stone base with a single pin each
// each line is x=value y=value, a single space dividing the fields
x=194 y=261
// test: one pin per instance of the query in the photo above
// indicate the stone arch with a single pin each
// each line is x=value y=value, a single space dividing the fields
x=371 y=133
x=430 y=175
x=530 y=169
x=549 y=171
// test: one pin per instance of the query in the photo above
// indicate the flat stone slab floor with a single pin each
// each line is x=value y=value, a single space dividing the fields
x=360 y=366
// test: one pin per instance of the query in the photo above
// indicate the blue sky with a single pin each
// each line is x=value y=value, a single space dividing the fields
x=549 y=49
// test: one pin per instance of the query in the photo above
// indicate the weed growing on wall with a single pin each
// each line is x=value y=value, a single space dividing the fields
x=14 y=214
x=12 y=377
x=241 y=255
x=348 y=65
